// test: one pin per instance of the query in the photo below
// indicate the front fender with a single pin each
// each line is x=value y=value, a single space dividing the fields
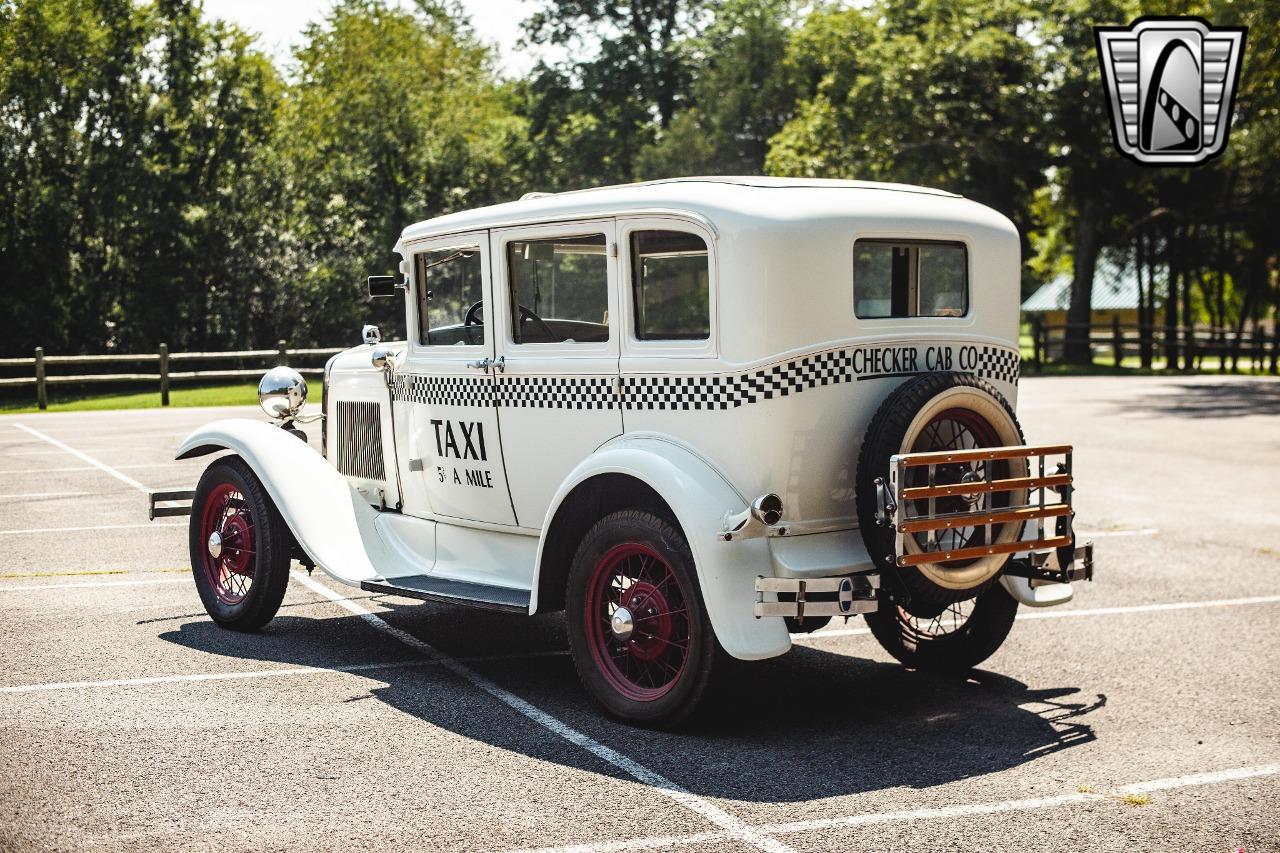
x=699 y=496
x=331 y=521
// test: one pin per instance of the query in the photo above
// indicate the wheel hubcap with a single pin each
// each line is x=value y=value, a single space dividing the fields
x=215 y=544
x=622 y=624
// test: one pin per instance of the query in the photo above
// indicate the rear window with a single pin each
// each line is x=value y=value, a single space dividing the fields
x=671 y=286
x=894 y=278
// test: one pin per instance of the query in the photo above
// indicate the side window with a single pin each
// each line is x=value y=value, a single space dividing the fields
x=450 y=290
x=910 y=279
x=559 y=290
x=670 y=286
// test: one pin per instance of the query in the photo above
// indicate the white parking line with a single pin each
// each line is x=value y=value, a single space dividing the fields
x=1055 y=613
x=734 y=827
x=1099 y=534
x=94 y=449
x=45 y=494
x=84 y=457
x=93 y=527
x=1218 y=777
x=94 y=467
x=87 y=584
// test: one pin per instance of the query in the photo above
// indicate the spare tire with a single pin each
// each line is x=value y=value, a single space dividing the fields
x=940 y=411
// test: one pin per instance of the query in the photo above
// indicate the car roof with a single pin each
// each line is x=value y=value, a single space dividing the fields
x=709 y=197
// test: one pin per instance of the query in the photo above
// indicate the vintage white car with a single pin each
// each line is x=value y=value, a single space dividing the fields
x=696 y=415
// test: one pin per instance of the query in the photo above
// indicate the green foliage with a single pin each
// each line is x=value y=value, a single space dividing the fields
x=160 y=179
x=394 y=117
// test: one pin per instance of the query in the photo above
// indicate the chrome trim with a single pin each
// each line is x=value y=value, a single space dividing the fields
x=371 y=334
x=324 y=405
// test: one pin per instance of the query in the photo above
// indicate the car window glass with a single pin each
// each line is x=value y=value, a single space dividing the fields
x=670 y=282
x=906 y=279
x=559 y=289
x=450 y=294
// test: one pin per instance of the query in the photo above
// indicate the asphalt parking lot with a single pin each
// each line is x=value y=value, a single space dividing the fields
x=1143 y=715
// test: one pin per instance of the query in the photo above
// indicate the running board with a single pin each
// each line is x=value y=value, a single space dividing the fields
x=470 y=594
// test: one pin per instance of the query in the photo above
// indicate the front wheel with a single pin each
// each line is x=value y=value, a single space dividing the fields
x=239 y=547
x=950 y=637
x=638 y=630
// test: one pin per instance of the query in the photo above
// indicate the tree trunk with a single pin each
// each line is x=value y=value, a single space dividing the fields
x=1144 y=299
x=1188 y=319
x=1084 y=261
x=1171 y=302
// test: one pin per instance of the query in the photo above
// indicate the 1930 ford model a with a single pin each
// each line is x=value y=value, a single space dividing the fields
x=693 y=414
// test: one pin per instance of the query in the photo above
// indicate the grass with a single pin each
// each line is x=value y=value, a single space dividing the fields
x=237 y=394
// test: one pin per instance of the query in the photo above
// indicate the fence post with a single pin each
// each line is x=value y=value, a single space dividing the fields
x=1117 y=339
x=1036 y=353
x=164 y=374
x=283 y=358
x=1275 y=343
x=42 y=393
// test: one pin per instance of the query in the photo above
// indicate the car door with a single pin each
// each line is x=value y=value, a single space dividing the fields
x=556 y=286
x=445 y=388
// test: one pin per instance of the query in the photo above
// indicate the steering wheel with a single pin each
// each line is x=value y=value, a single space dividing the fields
x=526 y=314
x=475 y=317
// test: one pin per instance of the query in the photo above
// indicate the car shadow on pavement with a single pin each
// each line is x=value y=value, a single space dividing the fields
x=808 y=725
x=1207 y=400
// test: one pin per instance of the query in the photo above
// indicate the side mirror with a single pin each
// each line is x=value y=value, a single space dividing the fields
x=385 y=285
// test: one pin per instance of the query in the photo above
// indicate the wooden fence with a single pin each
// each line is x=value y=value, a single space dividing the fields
x=41 y=378
x=1180 y=347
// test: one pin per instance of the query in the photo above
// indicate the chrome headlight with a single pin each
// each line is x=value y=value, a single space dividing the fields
x=282 y=392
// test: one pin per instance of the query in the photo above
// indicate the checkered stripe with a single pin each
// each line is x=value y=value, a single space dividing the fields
x=556 y=392
x=443 y=390
x=833 y=367
x=726 y=392
x=1000 y=364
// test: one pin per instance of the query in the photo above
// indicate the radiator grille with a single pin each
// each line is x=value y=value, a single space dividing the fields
x=360 y=440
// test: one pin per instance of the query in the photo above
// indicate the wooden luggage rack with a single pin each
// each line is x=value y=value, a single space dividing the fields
x=1043 y=493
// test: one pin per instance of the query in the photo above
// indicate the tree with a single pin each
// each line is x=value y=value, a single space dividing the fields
x=741 y=96
x=395 y=116
x=936 y=93
x=592 y=116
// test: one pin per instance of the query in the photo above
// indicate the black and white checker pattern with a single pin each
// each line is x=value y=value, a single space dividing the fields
x=999 y=364
x=556 y=392
x=728 y=392
x=666 y=392
x=443 y=390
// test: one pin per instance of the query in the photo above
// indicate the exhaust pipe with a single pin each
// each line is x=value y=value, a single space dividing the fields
x=759 y=519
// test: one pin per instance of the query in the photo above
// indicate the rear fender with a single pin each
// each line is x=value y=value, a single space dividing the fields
x=700 y=498
x=332 y=522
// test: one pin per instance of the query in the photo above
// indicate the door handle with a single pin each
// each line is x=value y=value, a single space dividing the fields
x=499 y=364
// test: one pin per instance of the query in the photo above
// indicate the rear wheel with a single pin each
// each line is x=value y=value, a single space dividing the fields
x=638 y=630
x=953 y=637
x=239 y=547
x=938 y=412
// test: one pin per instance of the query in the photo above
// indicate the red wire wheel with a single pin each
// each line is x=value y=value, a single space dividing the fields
x=228 y=530
x=240 y=546
x=638 y=628
x=637 y=619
